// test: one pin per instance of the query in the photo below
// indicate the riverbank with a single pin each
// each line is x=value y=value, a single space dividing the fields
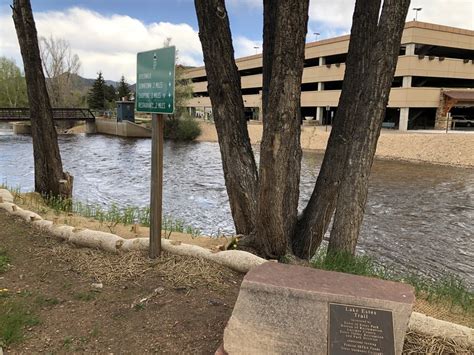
x=433 y=294
x=430 y=147
x=115 y=221
x=59 y=298
x=434 y=147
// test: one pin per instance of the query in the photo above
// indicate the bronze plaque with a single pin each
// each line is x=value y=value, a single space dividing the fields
x=360 y=330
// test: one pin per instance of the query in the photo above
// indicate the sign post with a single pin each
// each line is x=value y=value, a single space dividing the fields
x=155 y=95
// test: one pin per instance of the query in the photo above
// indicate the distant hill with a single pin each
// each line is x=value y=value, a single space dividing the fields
x=84 y=84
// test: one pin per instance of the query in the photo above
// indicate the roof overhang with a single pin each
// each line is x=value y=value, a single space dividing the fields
x=460 y=97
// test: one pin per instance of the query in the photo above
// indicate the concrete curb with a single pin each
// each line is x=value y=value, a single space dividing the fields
x=237 y=260
x=421 y=323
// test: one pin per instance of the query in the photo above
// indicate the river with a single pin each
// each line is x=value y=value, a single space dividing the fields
x=419 y=217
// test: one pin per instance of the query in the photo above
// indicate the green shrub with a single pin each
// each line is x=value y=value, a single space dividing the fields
x=181 y=129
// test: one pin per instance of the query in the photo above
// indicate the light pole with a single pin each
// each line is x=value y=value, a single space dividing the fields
x=317 y=35
x=256 y=49
x=416 y=12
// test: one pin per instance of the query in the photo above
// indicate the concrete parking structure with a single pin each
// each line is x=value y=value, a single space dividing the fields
x=435 y=63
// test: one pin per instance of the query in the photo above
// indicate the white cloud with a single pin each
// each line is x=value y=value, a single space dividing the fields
x=105 y=43
x=331 y=14
x=334 y=17
x=110 y=43
x=456 y=13
x=256 y=4
x=244 y=46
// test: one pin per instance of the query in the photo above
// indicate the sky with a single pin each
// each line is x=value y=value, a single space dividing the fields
x=107 y=34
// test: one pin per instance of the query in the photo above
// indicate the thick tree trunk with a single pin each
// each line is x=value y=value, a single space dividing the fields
x=371 y=61
x=369 y=70
x=317 y=215
x=382 y=59
x=240 y=170
x=285 y=24
x=49 y=176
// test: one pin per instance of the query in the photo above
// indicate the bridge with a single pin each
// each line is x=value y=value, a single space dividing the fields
x=59 y=114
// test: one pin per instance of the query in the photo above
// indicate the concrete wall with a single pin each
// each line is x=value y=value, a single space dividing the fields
x=439 y=148
x=21 y=128
x=399 y=97
x=123 y=129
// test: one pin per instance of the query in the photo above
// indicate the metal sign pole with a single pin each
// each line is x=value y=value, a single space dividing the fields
x=156 y=184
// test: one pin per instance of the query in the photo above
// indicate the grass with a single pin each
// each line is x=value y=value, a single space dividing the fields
x=84 y=296
x=139 y=307
x=447 y=288
x=67 y=342
x=114 y=215
x=95 y=332
x=46 y=301
x=14 y=317
x=4 y=261
x=15 y=191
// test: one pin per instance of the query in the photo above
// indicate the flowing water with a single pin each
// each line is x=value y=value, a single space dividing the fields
x=419 y=217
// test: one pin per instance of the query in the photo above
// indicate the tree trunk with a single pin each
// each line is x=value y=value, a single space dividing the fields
x=240 y=170
x=285 y=24
x=371 y=60
x=382 y=58
x=317 y=215
x=370 y=66
x=49 y=176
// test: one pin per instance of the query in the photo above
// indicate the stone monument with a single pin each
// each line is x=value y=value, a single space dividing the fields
x=286 y=309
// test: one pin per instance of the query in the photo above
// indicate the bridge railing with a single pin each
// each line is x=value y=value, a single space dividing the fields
x=59 y=113
x=73 y=113
x=21 y=114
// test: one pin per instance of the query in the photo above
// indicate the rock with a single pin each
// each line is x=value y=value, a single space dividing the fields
x=98 y=285
x=288 y=309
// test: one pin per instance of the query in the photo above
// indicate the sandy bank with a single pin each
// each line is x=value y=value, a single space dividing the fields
x=438 y=148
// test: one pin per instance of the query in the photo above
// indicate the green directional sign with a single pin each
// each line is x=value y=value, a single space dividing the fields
x=155 y=81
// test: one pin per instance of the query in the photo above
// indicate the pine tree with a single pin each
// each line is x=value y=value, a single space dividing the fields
x=96 y=97
x=123 y=89
x=110 y=95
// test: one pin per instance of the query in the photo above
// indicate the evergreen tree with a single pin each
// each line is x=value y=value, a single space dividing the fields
x=96 y=97
x=123 y=89
x=109 y=93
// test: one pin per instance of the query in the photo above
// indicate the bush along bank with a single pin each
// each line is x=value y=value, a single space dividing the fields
x=181 y=129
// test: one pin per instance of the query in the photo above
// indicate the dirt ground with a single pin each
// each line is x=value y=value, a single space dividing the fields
x=175 y=305
x=83 y=300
